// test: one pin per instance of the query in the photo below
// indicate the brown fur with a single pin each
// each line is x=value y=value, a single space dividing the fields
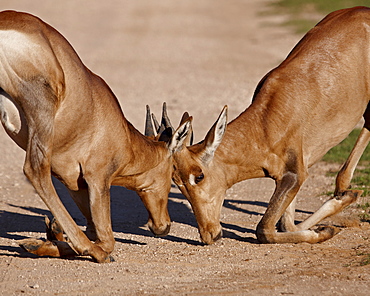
x=300 y=110
x=71 y=126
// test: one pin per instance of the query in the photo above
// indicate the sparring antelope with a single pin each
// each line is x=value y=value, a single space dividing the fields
x=71 y=126
x=300 y=109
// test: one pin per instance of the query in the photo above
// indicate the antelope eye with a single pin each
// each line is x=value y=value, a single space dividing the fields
x=199 y=178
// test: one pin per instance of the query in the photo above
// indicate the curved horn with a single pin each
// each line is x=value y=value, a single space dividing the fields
x=165 y=123
x=149 y=131
x=156 y=124
x=184 y=118
x=165 y=130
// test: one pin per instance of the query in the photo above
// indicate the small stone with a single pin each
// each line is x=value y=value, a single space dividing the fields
x=36 y=286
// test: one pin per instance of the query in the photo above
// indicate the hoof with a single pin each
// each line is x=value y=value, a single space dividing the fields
x=160 y=232
x=209 y=238
x=47 y=248
x=348 y=196
x=53 y=230
x=39 y=247
x=108 y=259
x=326 y=232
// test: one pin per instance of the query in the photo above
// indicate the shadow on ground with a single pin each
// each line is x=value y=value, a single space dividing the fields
x=128 y=216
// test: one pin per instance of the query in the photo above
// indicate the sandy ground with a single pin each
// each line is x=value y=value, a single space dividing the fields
x=197 y=56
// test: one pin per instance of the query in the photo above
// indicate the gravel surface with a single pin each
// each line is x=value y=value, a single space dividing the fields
x=196 y=56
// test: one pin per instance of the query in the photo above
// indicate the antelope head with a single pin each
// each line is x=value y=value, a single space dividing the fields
x=160 y=132
x=200 y=176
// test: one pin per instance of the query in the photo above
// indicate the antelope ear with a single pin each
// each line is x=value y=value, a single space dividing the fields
x=179 y=137
x=214 y=137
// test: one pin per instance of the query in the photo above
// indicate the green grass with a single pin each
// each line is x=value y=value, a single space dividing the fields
x=340 y=153
x=365 y=216
x=322 y=6
x=366 y=260
x=304 y=14
x=361 y=177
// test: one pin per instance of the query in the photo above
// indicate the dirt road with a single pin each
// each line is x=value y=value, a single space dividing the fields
x=197 y=56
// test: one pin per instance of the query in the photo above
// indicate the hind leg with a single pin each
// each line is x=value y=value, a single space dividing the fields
x=81 y=197
x=93 y=200
x=37 y=168
x=57 y=244
x=343 y=196
x=346 y=172
x=38 y=171
x=82 y=200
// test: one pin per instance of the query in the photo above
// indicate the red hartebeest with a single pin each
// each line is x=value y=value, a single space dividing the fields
x=71 y=126
x=300 y=110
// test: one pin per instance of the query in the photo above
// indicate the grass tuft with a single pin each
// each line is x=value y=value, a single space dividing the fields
x=304 y=14
x=339 y=154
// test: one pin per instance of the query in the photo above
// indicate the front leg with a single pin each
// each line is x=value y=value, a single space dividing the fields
x=286 y=222
x=82 y=200
x=100 y=220
x=345 y=174
x=285 y=191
